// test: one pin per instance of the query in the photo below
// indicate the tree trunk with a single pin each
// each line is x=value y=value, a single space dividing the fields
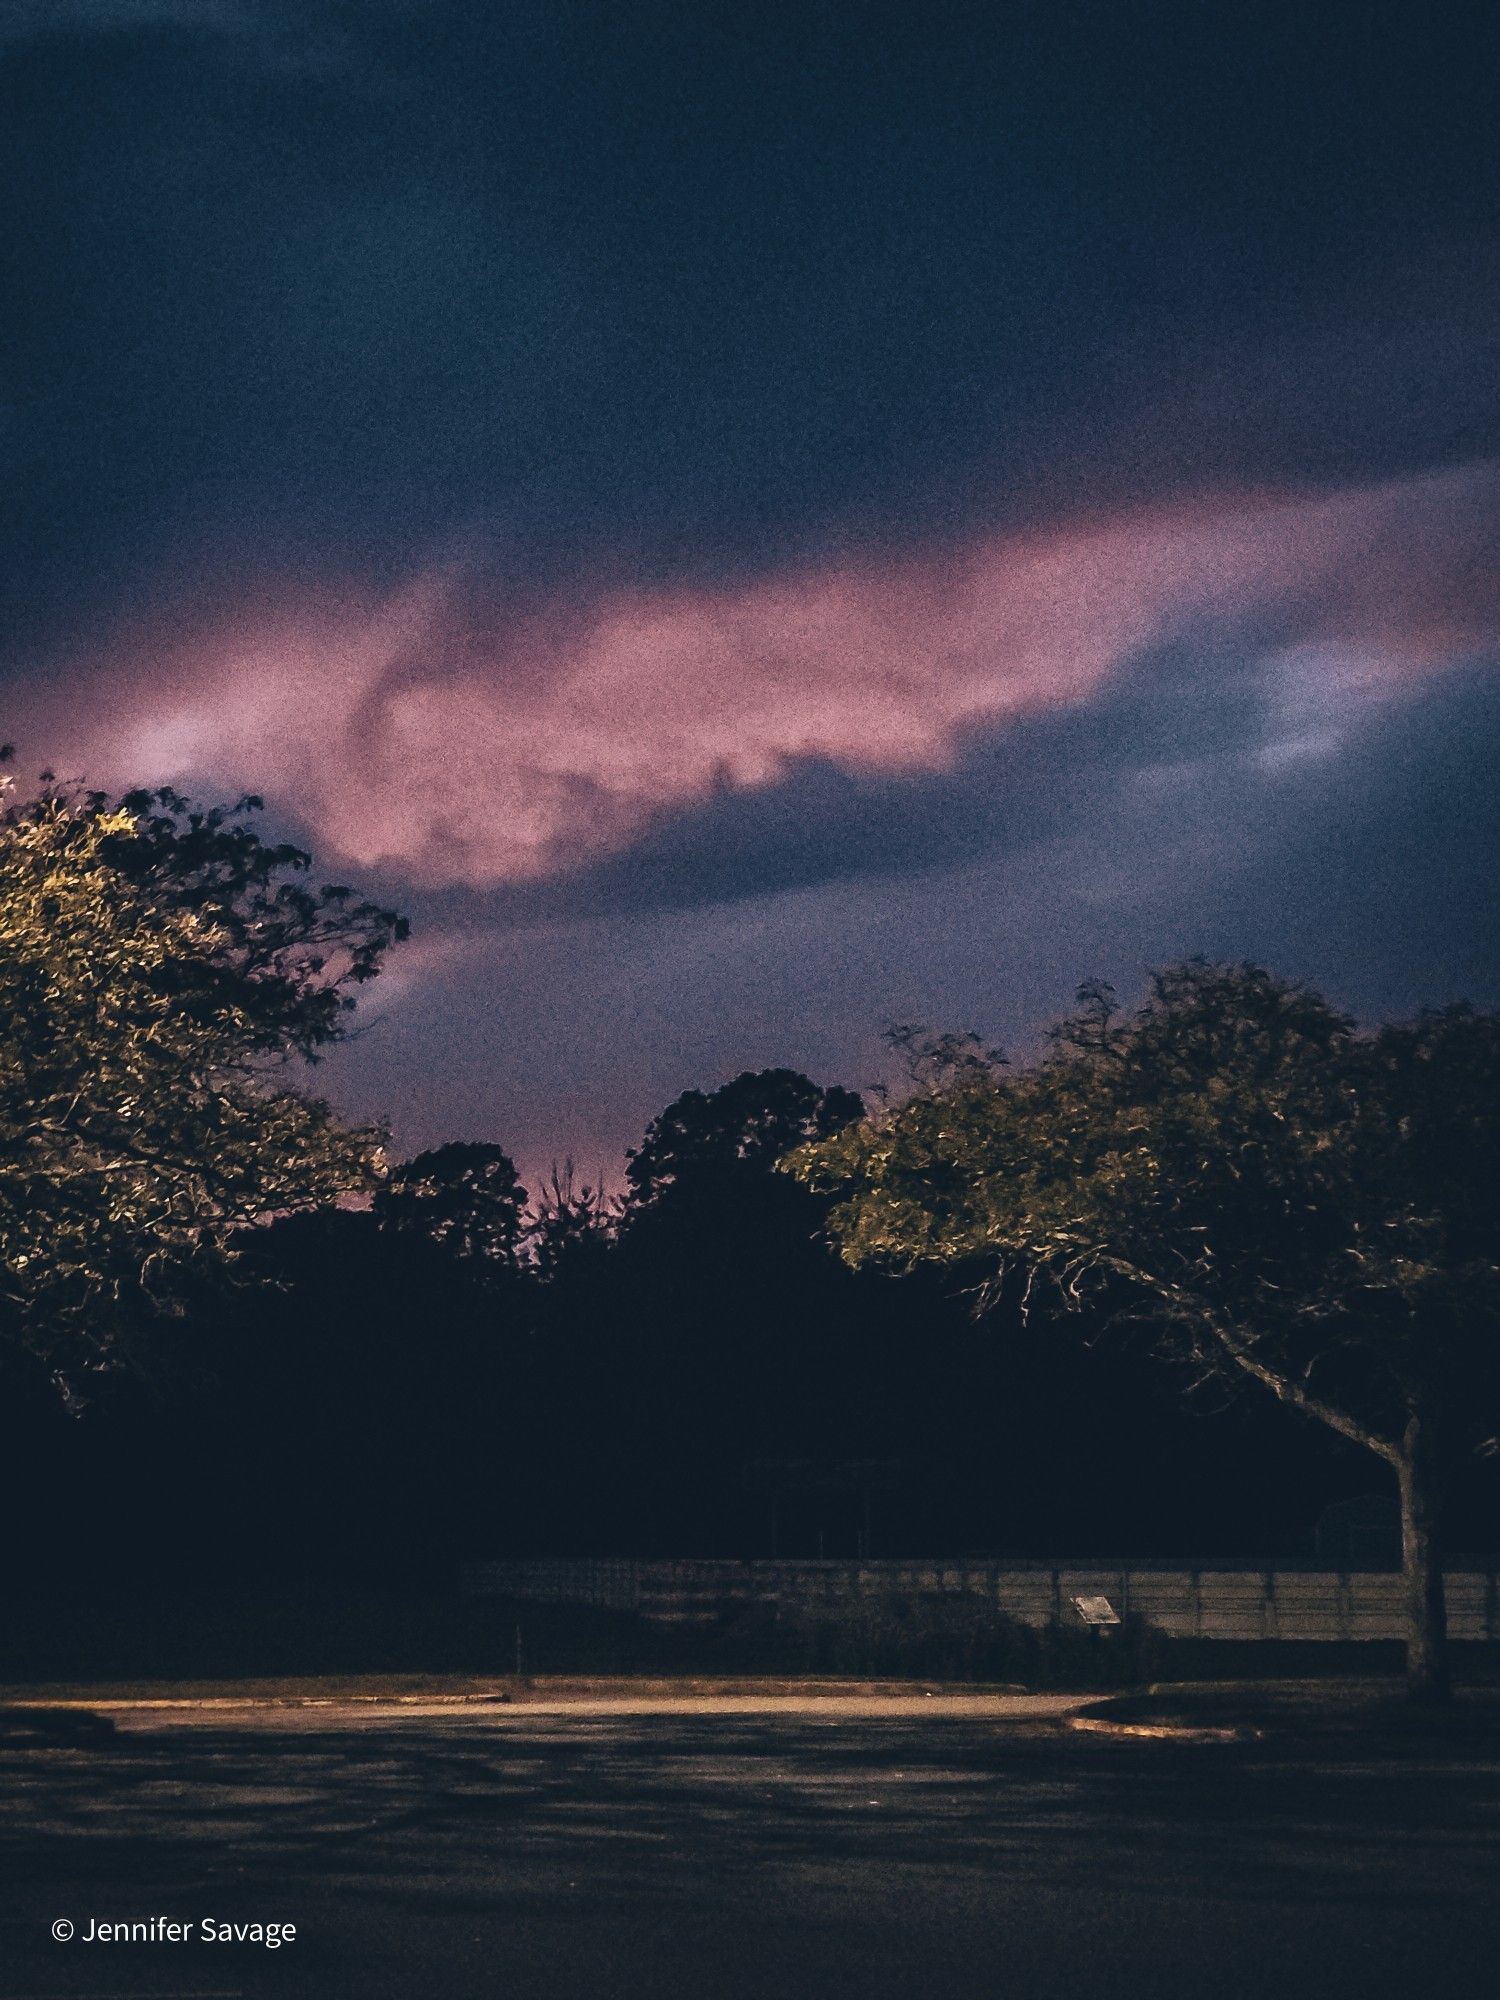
x=1422 y=1564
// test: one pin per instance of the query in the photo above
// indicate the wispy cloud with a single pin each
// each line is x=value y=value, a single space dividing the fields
x=435 y=737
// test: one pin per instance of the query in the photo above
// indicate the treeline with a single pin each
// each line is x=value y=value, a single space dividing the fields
x=459 y=1368
x=234 y=1340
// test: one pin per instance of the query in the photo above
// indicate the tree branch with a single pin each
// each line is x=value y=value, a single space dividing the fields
x=1240 y=1349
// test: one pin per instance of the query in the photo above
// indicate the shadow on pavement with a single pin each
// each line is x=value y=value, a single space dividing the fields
x=442 y=1856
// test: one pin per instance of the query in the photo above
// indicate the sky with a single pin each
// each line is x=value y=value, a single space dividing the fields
x=755 y=523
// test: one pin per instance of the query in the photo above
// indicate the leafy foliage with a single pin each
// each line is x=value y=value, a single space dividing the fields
x=1281 y=1195
x=157 y=971
x=463 y=1199
x=746 y=1126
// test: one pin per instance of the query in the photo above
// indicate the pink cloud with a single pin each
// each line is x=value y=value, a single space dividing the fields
x=412 y=733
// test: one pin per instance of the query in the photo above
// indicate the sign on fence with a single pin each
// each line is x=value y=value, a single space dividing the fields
x=1096 y=1611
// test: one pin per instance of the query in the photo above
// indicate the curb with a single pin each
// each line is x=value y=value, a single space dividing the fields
x=238 y=1702
x=1163 y=1732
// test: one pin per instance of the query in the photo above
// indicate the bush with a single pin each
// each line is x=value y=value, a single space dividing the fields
x=880 y=1634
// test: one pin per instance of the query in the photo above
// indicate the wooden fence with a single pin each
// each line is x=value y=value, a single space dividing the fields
x=1211 y=1601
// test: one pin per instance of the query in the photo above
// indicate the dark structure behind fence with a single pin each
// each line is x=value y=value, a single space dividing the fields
x=1228 y=1600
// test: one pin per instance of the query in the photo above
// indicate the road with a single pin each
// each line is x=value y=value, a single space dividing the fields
x=706 y=1854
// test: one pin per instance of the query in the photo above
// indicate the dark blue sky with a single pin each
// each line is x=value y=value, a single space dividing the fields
x=753 y=522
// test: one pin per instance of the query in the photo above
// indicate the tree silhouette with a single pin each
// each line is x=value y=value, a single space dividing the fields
x=571 y=1227
x=744 y=1127
x=465 y=1200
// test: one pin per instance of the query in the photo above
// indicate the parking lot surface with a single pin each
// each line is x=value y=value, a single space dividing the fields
x=804 y=1853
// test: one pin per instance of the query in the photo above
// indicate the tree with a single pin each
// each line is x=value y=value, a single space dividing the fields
x=743 y=1128
x=465 y=1200
x=1284 y=1199
x=732 y=1308
x=160 y=968
x=571 y=1227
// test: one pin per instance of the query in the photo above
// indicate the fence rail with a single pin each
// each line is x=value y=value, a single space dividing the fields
x=1230 y=1601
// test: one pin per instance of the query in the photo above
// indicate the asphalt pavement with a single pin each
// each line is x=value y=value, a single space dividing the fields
x=721 y=1852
